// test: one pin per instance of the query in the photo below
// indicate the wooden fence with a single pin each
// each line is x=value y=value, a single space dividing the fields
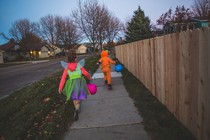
x=176 y=69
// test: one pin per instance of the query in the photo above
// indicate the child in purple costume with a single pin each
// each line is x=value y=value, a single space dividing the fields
x=75 y=87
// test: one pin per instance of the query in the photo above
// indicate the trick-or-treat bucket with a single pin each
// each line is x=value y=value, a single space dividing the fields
x=92 y=88
x=118 y=68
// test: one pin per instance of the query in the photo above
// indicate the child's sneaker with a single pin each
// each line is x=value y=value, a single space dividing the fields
x=105 y=82
x=109 y=86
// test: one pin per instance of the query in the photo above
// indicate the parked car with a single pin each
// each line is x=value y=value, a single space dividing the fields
x=60 y=54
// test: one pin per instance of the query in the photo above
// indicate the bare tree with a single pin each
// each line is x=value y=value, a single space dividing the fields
x=23 y=28
x=87 y=18
x=182 y=14
x=48 y=30
x=113 y=28
x=67 y=32
x=59 y=24
x=95 y=21
x=201 y=8
x=175 y=20
x=4 y=36
x=165 y=17
x=59 y=31
x=109 y=27
x=104 y=16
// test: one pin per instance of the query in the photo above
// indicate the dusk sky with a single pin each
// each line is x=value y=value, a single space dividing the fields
x=13 y=10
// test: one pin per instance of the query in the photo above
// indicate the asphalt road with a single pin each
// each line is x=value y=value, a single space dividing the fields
x=16 y=77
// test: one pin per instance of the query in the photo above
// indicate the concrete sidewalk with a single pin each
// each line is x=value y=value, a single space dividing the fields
x=108 y=115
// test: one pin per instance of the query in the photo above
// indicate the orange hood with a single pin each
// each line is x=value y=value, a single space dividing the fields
x=104 y=53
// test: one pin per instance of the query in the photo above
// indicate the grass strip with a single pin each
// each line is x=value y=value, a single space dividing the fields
x=38 y=111
x=157 y=120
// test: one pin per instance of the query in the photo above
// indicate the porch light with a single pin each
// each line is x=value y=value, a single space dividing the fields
x=39 y=52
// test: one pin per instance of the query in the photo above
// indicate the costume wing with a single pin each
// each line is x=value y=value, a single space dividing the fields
x=64 y=64
x=82 y=62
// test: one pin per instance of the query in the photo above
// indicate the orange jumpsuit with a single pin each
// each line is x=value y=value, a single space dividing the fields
x=105 y=66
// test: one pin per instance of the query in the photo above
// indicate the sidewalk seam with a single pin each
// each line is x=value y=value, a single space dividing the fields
x=131 y=123
x=122 y=96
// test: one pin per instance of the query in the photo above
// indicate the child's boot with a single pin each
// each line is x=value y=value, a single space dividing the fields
x=76 y=115
x=109 y=86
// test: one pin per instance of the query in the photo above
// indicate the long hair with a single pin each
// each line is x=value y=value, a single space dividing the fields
x=71 y=56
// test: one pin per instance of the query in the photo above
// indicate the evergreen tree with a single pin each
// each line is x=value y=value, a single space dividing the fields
x=139 y=27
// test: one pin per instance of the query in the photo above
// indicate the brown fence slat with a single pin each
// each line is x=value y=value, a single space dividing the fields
x=203 y=84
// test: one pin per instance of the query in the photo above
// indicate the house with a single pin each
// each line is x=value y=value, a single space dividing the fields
x=90 y=47
x=56 y=50
x=15 y=52
x=200 y=23
x=1 y=56
x=80 y=49
x=10 y=51
x=85 y=48
x=192 y=24
x=38 y=50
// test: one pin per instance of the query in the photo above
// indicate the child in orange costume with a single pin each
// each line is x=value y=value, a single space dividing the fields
x=105 y=62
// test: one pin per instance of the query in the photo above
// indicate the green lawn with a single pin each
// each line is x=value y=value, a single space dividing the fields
x=38 y=111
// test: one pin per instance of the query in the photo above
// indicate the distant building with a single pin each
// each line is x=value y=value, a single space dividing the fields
x=38 y=50
x=1 y=56
x=14 y=52
x=191 y=24
x=10 y=51
x=81 y=49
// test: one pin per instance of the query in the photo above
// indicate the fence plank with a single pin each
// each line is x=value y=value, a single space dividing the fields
x=177 y=73
x=160 y=70
x=194 y=74
x=141 y=61
x=173 y=74
x=169 y=79
x=203 y=83
x=147 y=64
x=207 y=128
x=152 y=51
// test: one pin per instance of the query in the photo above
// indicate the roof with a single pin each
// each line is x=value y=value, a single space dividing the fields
x=90 y=45
x=10 y=46
x=37 y=46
